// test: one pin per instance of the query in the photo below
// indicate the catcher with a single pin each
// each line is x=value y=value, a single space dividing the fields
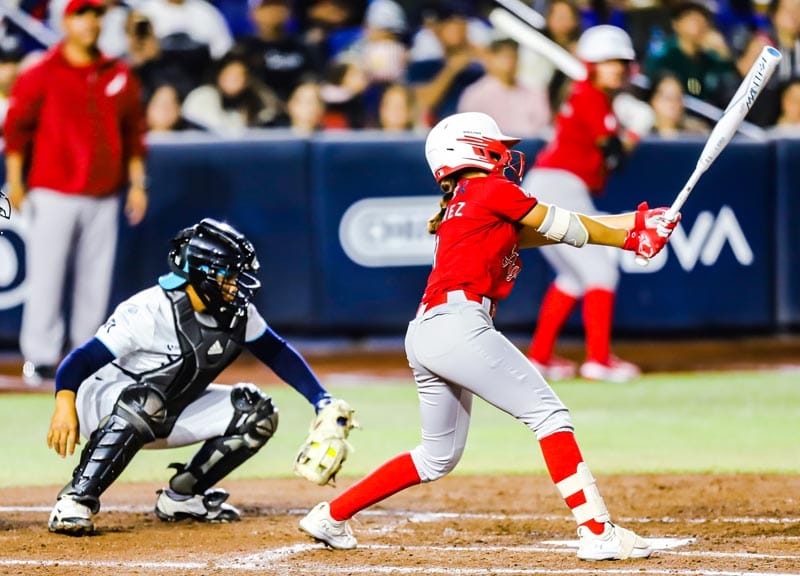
x=145 y=381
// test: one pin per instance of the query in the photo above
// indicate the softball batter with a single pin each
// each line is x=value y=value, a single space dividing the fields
x=589 y=143
x=145 y=381
x=455 y=351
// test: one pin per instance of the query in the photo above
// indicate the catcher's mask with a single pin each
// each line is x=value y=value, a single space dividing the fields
x=220 y=264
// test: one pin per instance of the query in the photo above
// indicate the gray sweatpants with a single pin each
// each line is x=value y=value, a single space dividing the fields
x=66 y=229
x=578 y=270
x=455 y=352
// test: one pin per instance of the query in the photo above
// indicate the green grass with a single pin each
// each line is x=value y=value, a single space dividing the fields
x=707 y=422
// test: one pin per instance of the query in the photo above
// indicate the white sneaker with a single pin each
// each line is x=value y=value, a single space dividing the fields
x=615 y=543
x=70 y=517
x=615 y=371
x=335 y=533
x=208 y=507
x=556 y=369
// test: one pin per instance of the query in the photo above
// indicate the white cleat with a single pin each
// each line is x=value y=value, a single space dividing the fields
x=616 y=370
x=556 y=369
x=615 y=543
x=208 y=507
x=335 y=533
x=70 y=517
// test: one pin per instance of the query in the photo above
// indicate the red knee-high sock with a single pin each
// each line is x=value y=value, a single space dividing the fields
x=598 y=312
x=562 y=456
x=391 y=477
x=556 y=308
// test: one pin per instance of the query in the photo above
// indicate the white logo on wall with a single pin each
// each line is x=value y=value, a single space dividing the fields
x=11 y=262
x=383 y=232
x=704 y=243
x=386 y=232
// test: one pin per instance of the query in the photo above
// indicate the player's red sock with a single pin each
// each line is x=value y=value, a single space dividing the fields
x=395 y=475
x=554 y=311
x=598 y=312
x=562 y=456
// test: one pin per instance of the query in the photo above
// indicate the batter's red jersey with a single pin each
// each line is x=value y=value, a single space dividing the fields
x=477 y=242
x=584 y=120
x=81 y=124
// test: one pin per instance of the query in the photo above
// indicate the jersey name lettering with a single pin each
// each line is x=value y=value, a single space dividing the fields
x=454 y=209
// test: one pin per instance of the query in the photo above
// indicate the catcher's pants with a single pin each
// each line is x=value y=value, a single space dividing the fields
x=578 y=270
x=65 y=229
x=455 y=352
x=207 y=417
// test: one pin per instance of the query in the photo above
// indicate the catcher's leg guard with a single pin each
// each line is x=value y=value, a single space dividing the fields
x=254 y=422
x=137 y=418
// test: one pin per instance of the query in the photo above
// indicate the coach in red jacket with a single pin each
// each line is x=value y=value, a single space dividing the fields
x=75 y=119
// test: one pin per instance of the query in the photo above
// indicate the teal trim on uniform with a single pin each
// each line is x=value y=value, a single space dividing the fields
x=171 y=281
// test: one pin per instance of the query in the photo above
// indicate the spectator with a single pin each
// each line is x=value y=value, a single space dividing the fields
x=330 y=26
x=697 y=54
x=788 y=124
x=10 y=57
x=87 y=141
x=305 y=109
x=515 y=108
x=397 y=111
x=671 y=119
x=153 y=66
x=643 y=19
x=439 y=82
x=384 y=56
x=234 y=102
x=563 y=26
x=276 y=57
x=163 y=111
x=189 y=23
x=343 y=94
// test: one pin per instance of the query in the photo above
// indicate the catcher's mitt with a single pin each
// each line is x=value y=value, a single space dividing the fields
x=326 y=448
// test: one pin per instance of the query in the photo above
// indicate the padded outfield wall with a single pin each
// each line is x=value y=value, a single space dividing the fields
x=339 y=224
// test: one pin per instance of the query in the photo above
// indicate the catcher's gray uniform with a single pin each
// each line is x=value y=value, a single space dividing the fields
x=142 y=335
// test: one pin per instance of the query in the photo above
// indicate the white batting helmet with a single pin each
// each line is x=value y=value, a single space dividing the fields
x=467 y=140
x=605 y=42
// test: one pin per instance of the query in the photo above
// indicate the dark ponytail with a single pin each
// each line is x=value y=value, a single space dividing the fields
x=448 y=186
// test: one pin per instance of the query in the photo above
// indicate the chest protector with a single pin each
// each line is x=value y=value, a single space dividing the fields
x=205 y=352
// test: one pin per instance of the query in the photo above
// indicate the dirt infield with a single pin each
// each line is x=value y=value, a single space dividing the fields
x=459 y=525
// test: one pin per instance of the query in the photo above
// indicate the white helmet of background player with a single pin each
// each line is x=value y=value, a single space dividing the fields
x=470 y=140
x=605 y=42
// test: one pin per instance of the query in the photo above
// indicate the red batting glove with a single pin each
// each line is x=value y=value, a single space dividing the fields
x=646 y=243
x=655 y=218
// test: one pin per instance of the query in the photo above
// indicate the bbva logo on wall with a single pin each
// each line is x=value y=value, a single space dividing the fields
x=12 y=263
x=389 y=232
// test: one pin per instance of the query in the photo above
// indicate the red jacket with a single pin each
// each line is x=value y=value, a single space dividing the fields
x=80 y=125
x=584 y=120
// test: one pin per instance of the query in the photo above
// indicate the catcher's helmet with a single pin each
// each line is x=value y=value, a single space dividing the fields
x=220 y=264
x=470 y=140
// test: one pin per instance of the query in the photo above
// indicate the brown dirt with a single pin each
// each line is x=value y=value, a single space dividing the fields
x=740 y=524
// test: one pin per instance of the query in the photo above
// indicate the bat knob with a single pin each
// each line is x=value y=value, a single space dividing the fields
x=642 y=261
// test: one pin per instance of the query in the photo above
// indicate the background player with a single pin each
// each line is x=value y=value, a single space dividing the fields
x=145 y=380
x=588 y=144
x=455 y=351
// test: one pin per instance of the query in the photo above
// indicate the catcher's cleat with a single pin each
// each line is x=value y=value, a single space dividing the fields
x=615 y=543
x=208 y=507
x=70 y=517
x=335 y=533
x=556 y=369
x=616 y=370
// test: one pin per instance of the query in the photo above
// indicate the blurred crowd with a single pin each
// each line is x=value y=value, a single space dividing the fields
x=224 y=66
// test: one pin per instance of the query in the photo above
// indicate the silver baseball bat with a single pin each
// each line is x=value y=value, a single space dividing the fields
x=741 y=103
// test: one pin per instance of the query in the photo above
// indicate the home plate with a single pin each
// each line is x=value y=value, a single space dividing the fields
x=655 y=543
